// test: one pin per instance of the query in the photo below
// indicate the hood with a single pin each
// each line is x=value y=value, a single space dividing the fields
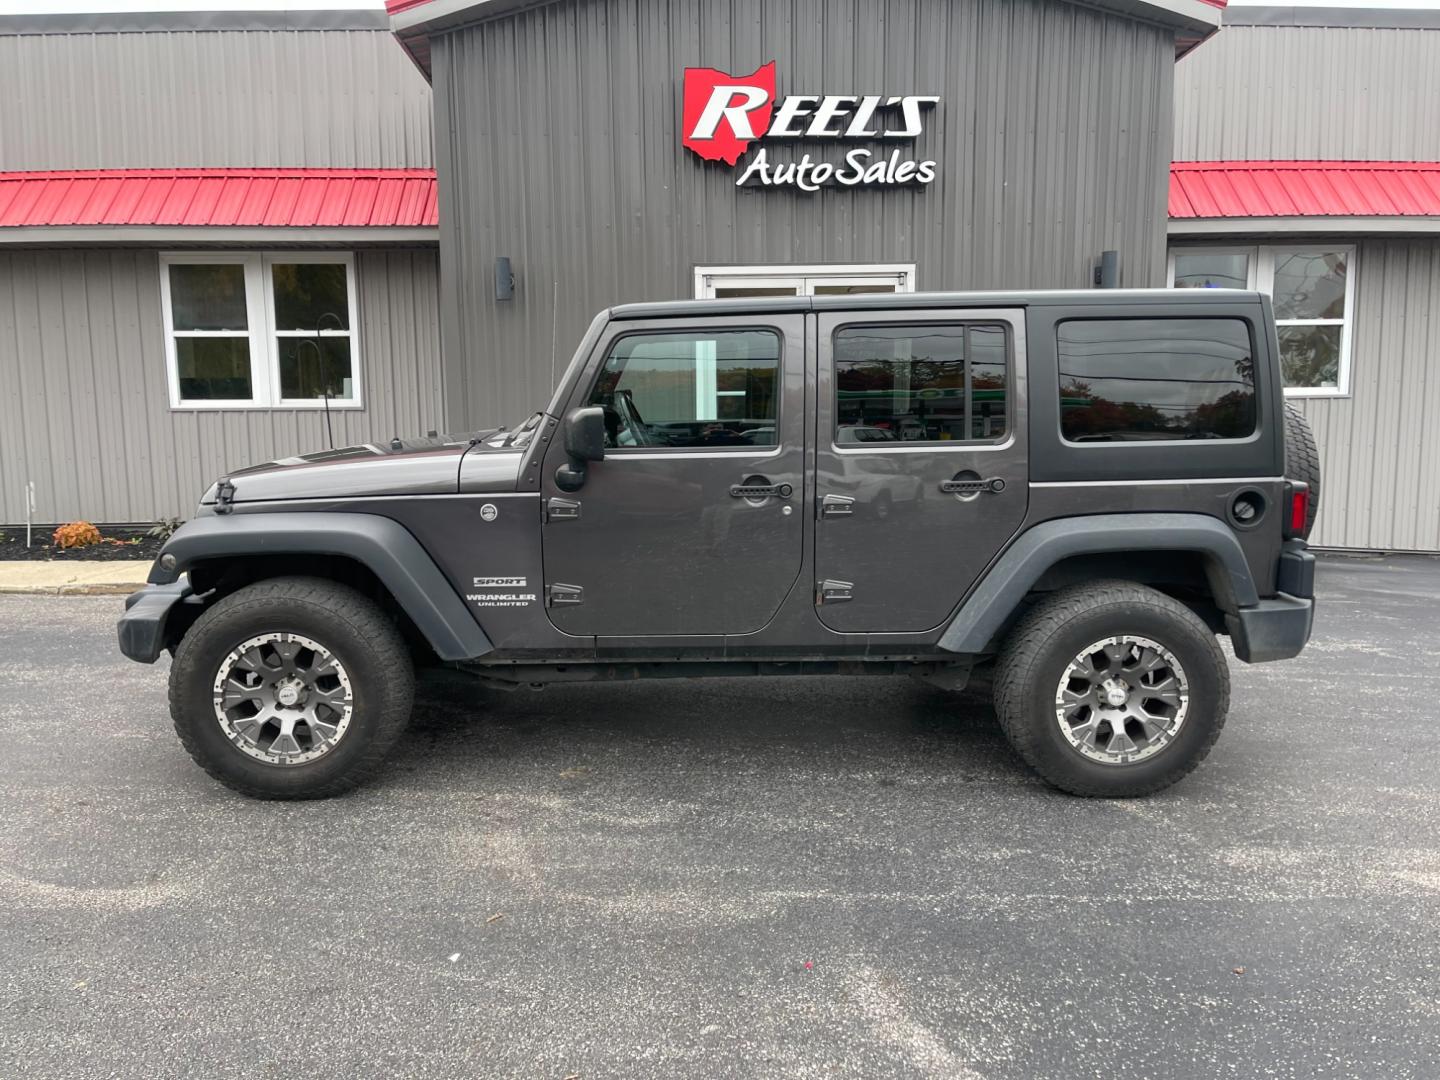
x=419 y=466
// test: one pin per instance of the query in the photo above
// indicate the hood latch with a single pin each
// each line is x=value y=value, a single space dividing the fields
x=224 y=496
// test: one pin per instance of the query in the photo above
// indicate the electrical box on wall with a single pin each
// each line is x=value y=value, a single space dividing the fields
x=504 y=279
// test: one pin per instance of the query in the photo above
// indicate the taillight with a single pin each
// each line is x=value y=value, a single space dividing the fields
x=1299 y=496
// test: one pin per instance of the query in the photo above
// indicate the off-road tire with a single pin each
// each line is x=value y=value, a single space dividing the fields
x=362 y=638
x=1302 y=460
x=1039 y=649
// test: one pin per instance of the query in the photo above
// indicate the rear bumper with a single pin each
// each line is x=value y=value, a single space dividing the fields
x=142 y=627
x=1274 y=629
x=1278 y=628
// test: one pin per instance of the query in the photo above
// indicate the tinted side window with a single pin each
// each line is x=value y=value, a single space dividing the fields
x=929 y=383
x=706 y=388
x=1146 y=380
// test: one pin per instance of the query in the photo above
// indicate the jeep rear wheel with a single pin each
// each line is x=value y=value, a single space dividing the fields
x=292 y=688
x=1112 y=690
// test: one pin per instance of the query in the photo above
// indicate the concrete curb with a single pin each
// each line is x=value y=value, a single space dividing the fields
x=78 y=578
x=70 y=590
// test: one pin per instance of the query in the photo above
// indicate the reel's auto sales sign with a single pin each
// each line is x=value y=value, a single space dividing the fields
x=723 y=114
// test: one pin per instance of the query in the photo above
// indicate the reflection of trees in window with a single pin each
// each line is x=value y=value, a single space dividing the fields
x=1310 y=355
x=926 y=373
x=756 y=383
x=306 y=292
x=1160 y=379
x=1231 y=417
x=891 y=393
x=1086 y=416
x=1310 y=285
x=923 y=382
x=872 y=374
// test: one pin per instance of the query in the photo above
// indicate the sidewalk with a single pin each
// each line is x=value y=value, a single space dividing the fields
x=88 y=578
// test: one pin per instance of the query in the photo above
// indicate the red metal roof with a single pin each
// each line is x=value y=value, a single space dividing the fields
x=359 y=198
x=1305 y=189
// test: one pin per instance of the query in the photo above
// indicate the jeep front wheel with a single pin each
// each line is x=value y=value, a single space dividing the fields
x=1112 y=690
x=291 y=688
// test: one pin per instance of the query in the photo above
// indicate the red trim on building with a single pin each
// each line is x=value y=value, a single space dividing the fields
x=394 y=7
x=1271 y=189
x=352 y=198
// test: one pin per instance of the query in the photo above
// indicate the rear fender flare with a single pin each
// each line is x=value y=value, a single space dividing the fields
x=987 y=609
x=385 y=547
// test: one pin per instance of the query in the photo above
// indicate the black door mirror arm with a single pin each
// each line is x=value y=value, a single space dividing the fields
x=571 y=476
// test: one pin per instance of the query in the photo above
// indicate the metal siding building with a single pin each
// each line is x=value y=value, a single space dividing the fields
x=1266 y=89
x=1381 y=448
x=1340 y=88
x=560 y=148
x=316 y=89
x=85 y=413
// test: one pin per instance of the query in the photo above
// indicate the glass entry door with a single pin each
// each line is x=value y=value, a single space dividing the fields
x=729 y=282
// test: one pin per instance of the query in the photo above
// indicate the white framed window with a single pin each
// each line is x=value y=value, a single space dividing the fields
x=251 y=330
x=1313 y=289
x=722 y=282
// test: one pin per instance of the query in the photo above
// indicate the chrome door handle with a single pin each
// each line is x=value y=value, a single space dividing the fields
x=993 y=486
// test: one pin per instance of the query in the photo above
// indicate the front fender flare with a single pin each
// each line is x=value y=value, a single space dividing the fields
x=985 y=612
x=385 y=547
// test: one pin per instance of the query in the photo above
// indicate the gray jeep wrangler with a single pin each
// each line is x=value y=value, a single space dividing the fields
x=1085 y=487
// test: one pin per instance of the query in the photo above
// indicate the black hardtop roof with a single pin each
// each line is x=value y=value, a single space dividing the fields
x=772 y=305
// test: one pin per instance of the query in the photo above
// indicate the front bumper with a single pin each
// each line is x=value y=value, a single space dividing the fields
x=142 y=627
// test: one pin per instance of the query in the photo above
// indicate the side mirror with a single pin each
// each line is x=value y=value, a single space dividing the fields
x=584 y=436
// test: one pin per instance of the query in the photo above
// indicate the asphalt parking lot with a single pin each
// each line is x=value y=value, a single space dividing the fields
x=797 y=878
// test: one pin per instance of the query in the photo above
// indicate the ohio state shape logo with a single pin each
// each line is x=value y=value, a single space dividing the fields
x=724 y=114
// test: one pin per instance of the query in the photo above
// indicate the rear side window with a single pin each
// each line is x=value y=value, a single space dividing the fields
x=1154 y=380
x=922 y=383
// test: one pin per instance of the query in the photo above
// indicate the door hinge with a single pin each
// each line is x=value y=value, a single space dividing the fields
x=560 y=595
x=836 y=505
x=834 y=592
x=562 y=510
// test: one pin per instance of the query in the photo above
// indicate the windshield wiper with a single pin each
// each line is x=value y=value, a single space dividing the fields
x=527 y=428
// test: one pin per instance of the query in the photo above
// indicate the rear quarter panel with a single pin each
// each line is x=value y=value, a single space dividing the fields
x=1183 y=476
x=1052 y=459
